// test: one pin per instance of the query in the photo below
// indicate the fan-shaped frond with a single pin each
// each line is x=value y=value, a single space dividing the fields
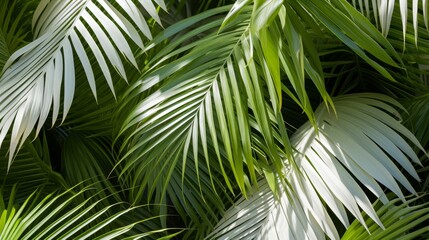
x=261 y=216
x=33 y=77
x=358 y=145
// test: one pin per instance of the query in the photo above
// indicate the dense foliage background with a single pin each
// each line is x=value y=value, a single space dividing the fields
x=294 y=119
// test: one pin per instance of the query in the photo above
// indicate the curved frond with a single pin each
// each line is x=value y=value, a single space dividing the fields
x=262 y=216
x=15 y=26
x=354 y=30
x=409 y=11
x=208 y=99
x=400 y=221
x=34 y=76
x=57 y=217
x=219 y=99
x=362 y=144
x=88 y=160
x=187 y=109
x=32 y=169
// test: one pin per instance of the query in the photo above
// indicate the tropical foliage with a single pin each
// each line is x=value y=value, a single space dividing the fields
x=296 y=119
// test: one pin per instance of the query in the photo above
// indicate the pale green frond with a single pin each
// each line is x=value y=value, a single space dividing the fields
x=96 y=118
x=192 y=95
x=361 y=144
x=37 y=76
x=400 y=221
x=356 y=37
x=264 y=13
x=205 y=98
x=58 y=217
x=235 y=10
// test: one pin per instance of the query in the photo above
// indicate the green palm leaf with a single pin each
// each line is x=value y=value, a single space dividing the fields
x=57 y=217
x=31 y=170
x=415 y=120
x=384 y=11
x=191 y=105
x=87 y=159
x=211 y=89
x=358 y=144
x=33 y=76
x=217 y=101
x=400 y=221
x=15 y=24
x=4 y=53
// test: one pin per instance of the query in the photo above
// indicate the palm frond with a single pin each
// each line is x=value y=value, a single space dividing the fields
x=193 y=95
x=358 y=145
x=15 y=26
x=4 y=53
x=416 y=121
x=355 y=31
x=15 y=23
x=197 y=95
x=418 y=109
x=57 y=217
x=32 y=169
x=261 y=216
x=191 y=102
x=400 y=221
x=87 y=159
x=408 y=11
x=33 y=76
x=199 y=198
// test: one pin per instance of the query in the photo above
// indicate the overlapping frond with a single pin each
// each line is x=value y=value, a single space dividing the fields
x=213 y=97
x=182 y=113
x=15 y=26
x=58 y=217
x=32 y=169
x=354 y=30
x=36 y=77
x=400 y=221
x=218 y=100
x=209 y=110
x=383 y=12
x=362 y=144
x=89 y=160
x=416 y=121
